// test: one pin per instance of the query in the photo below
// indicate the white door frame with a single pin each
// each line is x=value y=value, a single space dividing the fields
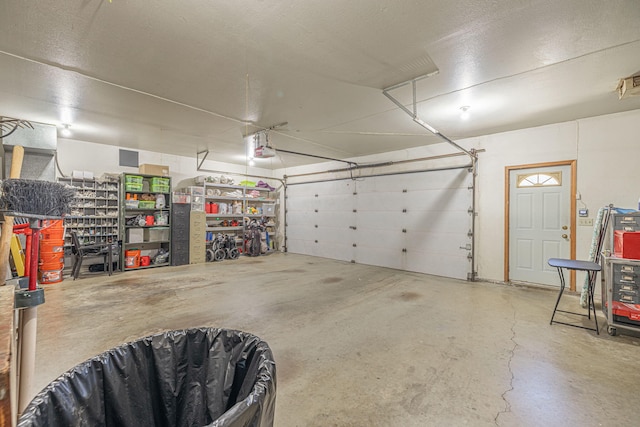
x=572 y=210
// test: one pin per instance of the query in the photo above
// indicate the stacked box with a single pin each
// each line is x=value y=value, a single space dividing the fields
x=133 y=183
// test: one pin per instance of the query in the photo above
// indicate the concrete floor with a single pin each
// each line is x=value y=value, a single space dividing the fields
x=364 y=346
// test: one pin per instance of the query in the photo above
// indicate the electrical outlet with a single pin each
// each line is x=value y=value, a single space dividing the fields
x=585 y=221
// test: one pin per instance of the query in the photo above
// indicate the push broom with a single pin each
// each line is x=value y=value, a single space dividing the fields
x=37 y=201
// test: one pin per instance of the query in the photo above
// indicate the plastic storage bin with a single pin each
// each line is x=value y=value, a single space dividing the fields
x=146 y=204
x=193 y=377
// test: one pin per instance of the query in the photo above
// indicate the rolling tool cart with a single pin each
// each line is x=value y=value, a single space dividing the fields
x=621 y=274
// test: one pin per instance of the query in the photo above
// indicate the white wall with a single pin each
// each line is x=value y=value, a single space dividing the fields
x=607 y=149
x=99 y=159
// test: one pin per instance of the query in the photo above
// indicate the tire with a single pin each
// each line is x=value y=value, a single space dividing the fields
x=612 y=331
x=234 y=253
x=210 y=255
x=219 y=255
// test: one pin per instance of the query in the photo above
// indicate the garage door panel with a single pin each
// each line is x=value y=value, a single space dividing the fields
x=372 y=237
x=337 y=203
x=380 y=201
x=380 y=256
x=436 y=221
x=300 y=219
x=301 y=232
x=439 y=265
x=300 y=246
x=333 y=219
x=334 y=250
x=438 y=243
x=444 y=199
x=445 y=179
x=301 y=205
x=379 y=220
x=336 y=235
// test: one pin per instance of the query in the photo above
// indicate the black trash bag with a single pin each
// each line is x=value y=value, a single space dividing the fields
x=194 y=377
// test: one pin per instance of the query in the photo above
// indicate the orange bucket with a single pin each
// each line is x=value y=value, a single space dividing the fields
x=51 y=261
x=52 y=245
x=52 y=230
x=50 y=276
x=132 y=258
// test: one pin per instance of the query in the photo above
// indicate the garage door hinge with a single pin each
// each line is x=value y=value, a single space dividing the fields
x=404 y=250
x=355 y=210
x=469 y=256
x=404 y=190
x=466 y=247
x=316 y=226
x=470 y=211
x=470 y=234
x=355 y=194
x=354 y=245
x=353 y=227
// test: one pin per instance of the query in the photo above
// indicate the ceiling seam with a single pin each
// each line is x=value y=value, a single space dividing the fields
x=97 y=79
x=483 y=83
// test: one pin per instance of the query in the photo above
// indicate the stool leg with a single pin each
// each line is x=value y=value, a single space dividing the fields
x=592 y=303
x=559 y=295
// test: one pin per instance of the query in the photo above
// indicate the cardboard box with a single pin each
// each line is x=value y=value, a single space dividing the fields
x=626 y=244
x=157 y=170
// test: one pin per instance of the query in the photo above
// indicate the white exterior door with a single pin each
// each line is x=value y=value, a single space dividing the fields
x=539 y=222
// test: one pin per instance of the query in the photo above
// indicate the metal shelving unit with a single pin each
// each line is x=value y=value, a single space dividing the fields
x=149 y=238
x=94 y=212
x=237 y=208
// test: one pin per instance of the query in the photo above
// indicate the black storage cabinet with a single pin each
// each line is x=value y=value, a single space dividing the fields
x=194 y=377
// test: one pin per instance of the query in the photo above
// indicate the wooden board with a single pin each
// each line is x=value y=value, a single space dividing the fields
x=6 y=347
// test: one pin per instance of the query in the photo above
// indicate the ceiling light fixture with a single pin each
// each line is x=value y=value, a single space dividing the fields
x=464 y=115
x=66 y=132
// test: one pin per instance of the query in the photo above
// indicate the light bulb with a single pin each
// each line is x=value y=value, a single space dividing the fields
x=464 y=115
x=66 y=132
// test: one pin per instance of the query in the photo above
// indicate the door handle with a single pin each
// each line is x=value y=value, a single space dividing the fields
x=564 y=227
x=564 y=236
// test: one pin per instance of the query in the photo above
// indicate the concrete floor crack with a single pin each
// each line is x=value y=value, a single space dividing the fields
x=512 y=352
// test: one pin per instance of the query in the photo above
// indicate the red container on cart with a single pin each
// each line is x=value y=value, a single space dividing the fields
x=626 y=244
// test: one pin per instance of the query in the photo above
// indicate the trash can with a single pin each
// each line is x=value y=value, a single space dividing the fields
x=193 y=377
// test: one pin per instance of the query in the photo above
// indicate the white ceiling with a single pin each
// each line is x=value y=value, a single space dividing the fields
x=185 y=76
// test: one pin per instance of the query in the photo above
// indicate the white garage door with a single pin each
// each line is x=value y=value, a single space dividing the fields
x=416 y=222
